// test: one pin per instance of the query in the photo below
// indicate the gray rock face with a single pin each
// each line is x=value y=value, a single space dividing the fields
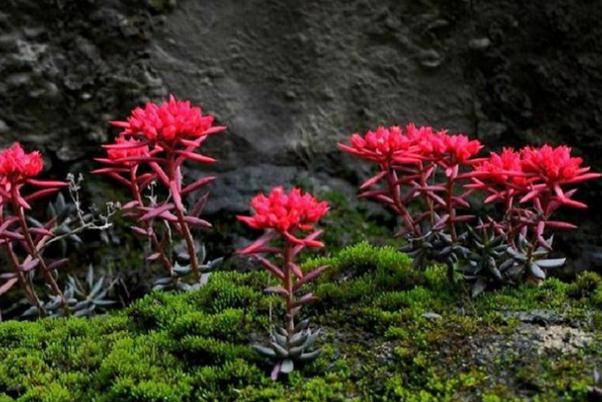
x=292 y=78
x=68 y=67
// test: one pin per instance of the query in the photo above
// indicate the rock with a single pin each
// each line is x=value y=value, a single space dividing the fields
x=233 y=190
x=290 y=79
x=556 y=337
x=430 y=58
x=533 y=338
x=538 y=317
x=479 y=43
x=48 y=75
x=432 y=316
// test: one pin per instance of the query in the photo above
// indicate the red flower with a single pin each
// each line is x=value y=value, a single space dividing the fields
x=17 y=166
x=502 y=168
x=380 y=146
x=393 y=145
x=285 y=212
x=460 y=147
x=426 y=142
x=552 y=165
x=168 y=121
x=552 y=169
x=436 y=145
x=133 y=148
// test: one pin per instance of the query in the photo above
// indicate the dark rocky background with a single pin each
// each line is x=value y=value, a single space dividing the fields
x=291 y=78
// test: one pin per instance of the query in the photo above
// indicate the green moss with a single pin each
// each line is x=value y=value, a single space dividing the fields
x=390 y=333
x=587 y=287
x=552 y=294
x=586 y=284
x=597 y=297
x=383 y=264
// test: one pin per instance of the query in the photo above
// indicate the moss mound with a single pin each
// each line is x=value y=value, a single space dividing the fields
x=390 y=333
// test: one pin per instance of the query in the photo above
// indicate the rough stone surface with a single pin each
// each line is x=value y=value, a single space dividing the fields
x=546 y=330
x=292 y=78
x=533 y=340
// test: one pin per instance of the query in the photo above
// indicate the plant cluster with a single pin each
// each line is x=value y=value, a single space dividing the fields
x=150 y=151
x=288 y=221
x=25 y=239
x=428 y=178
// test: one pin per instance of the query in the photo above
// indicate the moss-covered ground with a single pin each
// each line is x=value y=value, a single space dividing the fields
x=390 y=333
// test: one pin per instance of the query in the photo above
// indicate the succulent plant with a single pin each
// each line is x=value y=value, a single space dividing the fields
x=91 y=294
x=60 y=214
x=436 y=246
x=53 y=307
x=84 y=298
x=182 y=270
x=530 y=261
x=487 y=261
x=286 y=349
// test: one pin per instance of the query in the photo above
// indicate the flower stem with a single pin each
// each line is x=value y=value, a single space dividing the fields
x=395 y=191
x=186 y=234
x=147 y=225
x=288 y=282
x=30 y=292
x=451 y=211
x=28 y=288
x=429 y=201
x=33 y=251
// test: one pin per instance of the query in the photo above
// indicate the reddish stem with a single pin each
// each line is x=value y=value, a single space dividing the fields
x=429 y=201
x=186 y=234
x=451 y=210
x=33 y=250
x=395 y=191
x=289 y=286
x=147 y=225
x=30 y=292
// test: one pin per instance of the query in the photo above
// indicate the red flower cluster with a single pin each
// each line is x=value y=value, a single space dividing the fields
x=436 y=145
x=460 y=147
x=536 y=173
x=285 y=212
x=538 y=177
x=554 y=165
x=504 y=168
x=168 y=121
x=532 y=184
x=382 y=146
x=393 y=145
x=17 y=166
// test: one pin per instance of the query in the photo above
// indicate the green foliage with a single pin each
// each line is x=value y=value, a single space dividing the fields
x=586 y=284
x=389 y=333
x=364 y=257
x=587 y=287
